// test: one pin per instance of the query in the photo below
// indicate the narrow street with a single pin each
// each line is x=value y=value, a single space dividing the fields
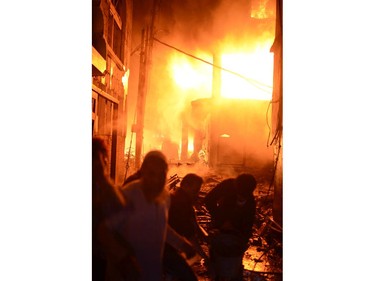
x=208 y=94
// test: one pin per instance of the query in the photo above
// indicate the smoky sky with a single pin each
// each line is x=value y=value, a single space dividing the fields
x=190 y=12
x=197 y=21
x=188 y=17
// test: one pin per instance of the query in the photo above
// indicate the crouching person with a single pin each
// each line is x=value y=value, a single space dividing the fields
x=182 y=219
x=231 y=205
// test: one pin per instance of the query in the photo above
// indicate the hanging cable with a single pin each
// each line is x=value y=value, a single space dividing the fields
x=269 y=127
x=278 y=129
x=275 y=168
x=255 y=83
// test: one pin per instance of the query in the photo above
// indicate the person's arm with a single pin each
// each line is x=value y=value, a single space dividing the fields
x=249 y=220
x=201 y=232
x=212 y=197
x=197 y=246
x=179 y=242
x=118 y=251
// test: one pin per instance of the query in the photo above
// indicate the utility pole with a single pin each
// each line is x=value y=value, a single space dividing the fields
x=144 y=67
x=141 y=99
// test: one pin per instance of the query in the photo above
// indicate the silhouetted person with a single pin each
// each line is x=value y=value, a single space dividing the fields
x=232 y=208
x=111 y=257
x=145 y=224
x=182 y=218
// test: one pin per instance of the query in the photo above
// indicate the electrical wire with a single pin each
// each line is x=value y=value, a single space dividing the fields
x=255 y=83
x=268 y=125
x=274 y=169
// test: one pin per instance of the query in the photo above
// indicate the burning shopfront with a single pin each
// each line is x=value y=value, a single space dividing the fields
x=232 y=133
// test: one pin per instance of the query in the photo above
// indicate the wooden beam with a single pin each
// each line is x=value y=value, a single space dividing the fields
x=104 y=94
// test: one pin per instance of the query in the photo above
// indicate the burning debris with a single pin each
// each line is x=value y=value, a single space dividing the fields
x=263 y=258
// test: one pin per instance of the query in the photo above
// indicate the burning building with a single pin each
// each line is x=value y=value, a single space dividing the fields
x=210 y=82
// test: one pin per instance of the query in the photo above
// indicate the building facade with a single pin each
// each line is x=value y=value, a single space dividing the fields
x=111 y=48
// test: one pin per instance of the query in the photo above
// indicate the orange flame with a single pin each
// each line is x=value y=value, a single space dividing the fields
x=254 y=69
x=262 y=9
x=257 y=67
x=189 y=74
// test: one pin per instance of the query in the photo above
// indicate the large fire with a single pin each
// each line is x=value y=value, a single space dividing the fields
x=190 y=74
x=244 y=75
x=222 y=56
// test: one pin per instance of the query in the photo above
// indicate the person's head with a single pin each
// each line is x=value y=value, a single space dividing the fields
x=245 y=185
x=100 y=176
x=99 y=157
x=153 y=174
x=191 y=184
